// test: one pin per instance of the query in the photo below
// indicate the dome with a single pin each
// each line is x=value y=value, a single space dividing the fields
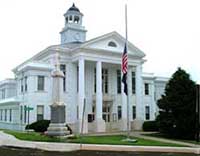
x=73 y=8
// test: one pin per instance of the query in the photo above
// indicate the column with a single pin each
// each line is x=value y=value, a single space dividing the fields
x=81 y=95
x=139 y=98
x=99 y=122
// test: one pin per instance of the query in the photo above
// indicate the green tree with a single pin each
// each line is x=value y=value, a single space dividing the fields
x=177 y=107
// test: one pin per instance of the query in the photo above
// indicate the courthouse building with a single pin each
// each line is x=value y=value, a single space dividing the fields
x=92 y=70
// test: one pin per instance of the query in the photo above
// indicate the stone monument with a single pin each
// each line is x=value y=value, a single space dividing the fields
x=57 y=125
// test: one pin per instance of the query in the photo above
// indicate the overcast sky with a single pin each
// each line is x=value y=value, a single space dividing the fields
x=167 y=31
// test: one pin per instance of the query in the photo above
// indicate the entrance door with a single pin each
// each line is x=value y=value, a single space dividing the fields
x=106 y=113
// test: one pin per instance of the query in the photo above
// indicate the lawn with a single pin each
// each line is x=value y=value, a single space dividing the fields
x=32 y=136
x=110 y=140
x=159 y=135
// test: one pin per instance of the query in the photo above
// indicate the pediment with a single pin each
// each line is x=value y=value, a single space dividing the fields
x=112 y=42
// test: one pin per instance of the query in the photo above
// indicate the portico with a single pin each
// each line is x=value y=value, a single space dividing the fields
x=105 y=99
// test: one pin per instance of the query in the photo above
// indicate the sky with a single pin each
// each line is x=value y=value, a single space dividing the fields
x=167 y=31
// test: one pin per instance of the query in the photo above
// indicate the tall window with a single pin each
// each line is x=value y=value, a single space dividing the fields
x=3 y=93
x=40 y=86
x=146 y=89
x=77 y=78
x=133 y=82
x=147 y=112
x=134 y=112
x=1 y=115
x=25 y=87
x=5 y=115
x=22 y=85
x=95 y=80
x=40 y=112
x=119 y=112
x=119 y=81
x=21 y=113
x=63 y=69
x=10 y=118
x=25 y=112
x=105 y=81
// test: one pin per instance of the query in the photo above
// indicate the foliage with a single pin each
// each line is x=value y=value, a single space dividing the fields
x=39 y=126
x=177 y=107
x=42 y=125
x=150 y=126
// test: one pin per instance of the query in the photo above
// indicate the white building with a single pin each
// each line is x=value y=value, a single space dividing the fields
x=92 y=72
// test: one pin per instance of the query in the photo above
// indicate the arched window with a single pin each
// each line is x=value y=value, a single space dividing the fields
x=76 y=19
x=70 y=18
x=66 y=19
x=112 y=44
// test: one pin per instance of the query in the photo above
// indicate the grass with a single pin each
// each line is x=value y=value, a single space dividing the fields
x=159 y=135
x=32 y=136
x=118 y=140
x=108 y=139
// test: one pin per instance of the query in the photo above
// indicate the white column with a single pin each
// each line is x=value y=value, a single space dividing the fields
x=139 y=98
x=99 y=122
x=99 y=102
x=81 y=94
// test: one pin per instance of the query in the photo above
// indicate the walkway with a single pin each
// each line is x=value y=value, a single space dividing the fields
x=8 y=140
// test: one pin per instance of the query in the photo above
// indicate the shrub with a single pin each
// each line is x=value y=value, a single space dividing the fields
x=150 y=126
x=42 y=125
x=39 y=126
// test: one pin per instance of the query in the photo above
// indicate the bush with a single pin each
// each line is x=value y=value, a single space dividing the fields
x=42 y=125
x=150 y=126
x=39 y=126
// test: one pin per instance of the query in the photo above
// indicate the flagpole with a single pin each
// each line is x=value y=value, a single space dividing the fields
x=126 y=30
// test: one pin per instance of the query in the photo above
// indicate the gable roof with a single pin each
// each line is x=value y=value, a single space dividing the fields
x=114 y=35
x=88 y=44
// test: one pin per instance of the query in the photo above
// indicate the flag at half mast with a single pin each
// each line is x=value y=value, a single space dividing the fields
x=125 y=69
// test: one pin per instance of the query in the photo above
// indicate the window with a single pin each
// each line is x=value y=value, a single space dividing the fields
x=119 y=112
x=21 y=113
x=25 y=110
x=22 y=86
x=1 y=115
x=112 y=44
x=10 y=119
x=134 y=112
x=77 y=78
x=147 y=112
x=95 y=80
x=105 y=81
x=118 y=81
x=40 y=112
x=25 y=87
x=76 y=19
x=63 y=69
x=40 y=83
x=5 y=115
x=3 y=93
x=146 y=89
x=133 y=82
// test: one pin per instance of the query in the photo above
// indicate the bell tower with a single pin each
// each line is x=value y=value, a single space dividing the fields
x=73 y=30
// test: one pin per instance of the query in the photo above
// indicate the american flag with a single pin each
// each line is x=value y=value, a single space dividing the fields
x=125 y=69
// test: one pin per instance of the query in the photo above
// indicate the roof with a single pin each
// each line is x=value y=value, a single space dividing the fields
x=81 y=45
x=73 y=8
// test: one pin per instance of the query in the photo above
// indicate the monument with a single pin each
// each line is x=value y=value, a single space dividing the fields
x=57 y=125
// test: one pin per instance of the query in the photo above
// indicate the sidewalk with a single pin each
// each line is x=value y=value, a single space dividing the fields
x=9 y=140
